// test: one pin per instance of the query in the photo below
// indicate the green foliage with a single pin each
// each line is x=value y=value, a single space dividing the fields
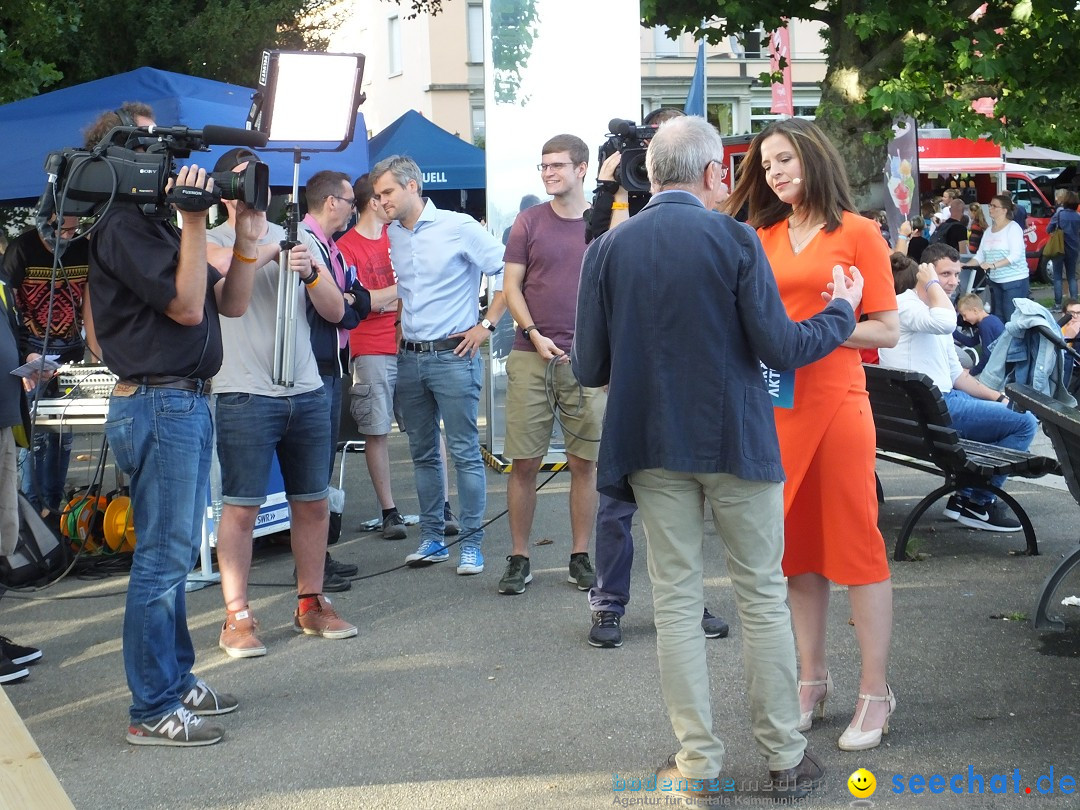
x=30 y=31
x=924 y=58
x=513 y=31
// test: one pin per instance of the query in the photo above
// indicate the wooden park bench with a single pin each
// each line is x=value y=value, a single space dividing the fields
x=1062 y=425
x=914 y=429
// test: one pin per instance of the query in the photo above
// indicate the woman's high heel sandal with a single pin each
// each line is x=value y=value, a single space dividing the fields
x=855 y=738
x=806 y=719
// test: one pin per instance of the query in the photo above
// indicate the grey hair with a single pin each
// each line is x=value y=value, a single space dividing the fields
x=402 y=167
x=681 y=150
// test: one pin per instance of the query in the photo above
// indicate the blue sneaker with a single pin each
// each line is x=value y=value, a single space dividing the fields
x=471 y=560
x=430 y=551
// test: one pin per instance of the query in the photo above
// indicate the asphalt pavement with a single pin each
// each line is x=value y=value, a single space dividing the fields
x=453 y=696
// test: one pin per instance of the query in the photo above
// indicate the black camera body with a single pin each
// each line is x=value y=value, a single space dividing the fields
x=629 y=139
x=84 y=182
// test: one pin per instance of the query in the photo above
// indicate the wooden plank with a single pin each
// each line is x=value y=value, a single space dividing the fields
x=26 y=780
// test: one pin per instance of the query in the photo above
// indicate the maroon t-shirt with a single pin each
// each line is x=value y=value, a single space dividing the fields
x=551 y=248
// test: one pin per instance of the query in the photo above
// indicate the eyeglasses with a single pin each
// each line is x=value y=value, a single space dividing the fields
x=722 y=165
x=1073 y=313
x=543 y=167
x=349 y=200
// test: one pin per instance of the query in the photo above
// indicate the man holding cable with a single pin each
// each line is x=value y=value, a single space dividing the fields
x=540 y=281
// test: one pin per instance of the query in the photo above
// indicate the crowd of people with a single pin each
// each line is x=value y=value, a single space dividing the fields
x=606 y=299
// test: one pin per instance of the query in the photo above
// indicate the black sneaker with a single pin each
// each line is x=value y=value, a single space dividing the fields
x=331 y=582
x=9 y=672
x=393 y=527
x=17 y=653
x=714 y=626
x=450 y=523
x=990 y=517
x=605 y=631
x=341 y=569
x=517 y=575
x=582 y=572
x=953 y=507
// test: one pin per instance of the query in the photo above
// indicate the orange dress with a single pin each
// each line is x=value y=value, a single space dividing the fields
x=827 y=438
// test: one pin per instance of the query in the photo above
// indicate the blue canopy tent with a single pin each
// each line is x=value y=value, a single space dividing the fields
x=33 y=127
x=446 y=161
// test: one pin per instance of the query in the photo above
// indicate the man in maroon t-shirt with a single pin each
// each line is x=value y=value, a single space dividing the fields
x=540 y=281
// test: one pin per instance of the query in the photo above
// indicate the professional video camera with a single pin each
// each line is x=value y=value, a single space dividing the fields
x=84 y=182
x=629 y=139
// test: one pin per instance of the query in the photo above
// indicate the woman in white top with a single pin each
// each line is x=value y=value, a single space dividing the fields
x=1002 y=255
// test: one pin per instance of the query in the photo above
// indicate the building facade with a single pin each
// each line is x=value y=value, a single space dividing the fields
x=435 y=65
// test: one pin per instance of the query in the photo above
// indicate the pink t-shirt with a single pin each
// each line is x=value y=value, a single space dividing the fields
x=551 y=248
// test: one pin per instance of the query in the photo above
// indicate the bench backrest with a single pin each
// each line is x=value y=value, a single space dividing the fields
x=911 y=416
x=1062 y=425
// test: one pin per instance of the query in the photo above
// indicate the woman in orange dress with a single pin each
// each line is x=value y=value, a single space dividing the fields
x=795 y=188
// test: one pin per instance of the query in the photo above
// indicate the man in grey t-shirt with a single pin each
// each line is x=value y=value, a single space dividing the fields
x=256 y=419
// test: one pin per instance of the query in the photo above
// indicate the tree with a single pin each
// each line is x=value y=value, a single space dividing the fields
x=926 y=58
x=30 y=32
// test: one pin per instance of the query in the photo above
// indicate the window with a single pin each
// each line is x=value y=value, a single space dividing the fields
x=475 y=23
x=663 y=45
x=760 y=117
x=478 y=125
x=1023 y=193
x=393 y=45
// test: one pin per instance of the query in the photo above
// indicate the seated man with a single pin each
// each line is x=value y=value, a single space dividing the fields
x=978 y=413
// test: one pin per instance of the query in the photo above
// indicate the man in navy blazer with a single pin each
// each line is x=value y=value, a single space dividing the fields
x=675 y=308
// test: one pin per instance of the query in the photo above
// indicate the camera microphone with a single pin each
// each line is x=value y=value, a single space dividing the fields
x=212 y=135
x=620 y=126
x=233 y=136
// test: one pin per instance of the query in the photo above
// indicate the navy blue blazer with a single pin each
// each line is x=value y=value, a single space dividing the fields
x=675 y=307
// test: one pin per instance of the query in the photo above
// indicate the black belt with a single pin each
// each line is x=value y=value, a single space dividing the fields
x=179 y=383
x=447 y=345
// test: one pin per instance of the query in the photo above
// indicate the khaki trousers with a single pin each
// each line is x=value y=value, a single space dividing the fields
x=748 y=516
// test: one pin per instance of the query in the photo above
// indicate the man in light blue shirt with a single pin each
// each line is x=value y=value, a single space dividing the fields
x=439 y=257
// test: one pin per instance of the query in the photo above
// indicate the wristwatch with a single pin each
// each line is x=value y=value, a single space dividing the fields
x=487 y=325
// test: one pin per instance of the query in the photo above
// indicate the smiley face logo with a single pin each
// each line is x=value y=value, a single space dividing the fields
x=862 y=784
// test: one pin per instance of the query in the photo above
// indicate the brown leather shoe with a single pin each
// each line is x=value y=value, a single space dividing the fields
x=684 y=785
x=797 y=782
x=238 y=638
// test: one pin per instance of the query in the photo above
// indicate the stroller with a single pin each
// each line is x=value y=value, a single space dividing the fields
x=1033 y=352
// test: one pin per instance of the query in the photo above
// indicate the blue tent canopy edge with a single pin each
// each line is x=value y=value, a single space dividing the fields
x=447 y=162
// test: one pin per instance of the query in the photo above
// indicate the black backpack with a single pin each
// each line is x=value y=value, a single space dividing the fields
x=39 y=556
x=943 y=230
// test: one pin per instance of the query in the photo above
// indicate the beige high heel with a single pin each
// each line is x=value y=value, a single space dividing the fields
x=855 y=738
x=806 y=719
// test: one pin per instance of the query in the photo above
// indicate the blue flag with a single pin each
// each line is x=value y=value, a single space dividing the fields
x=695 y=99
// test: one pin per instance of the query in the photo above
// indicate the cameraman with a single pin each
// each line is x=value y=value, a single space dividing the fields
x=156 y=303
x=611 y=202
x=614 y=543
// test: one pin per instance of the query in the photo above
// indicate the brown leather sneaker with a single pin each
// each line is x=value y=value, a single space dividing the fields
x=238 y=635
x=322 y=620
x=684 y=785
x=797 y=782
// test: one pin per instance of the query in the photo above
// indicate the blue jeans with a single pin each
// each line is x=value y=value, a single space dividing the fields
x=1062 y=267
x=332 y=386
x=252 y=428
x=1002 y=295
x=614 y=555
x=162 y=439
x=430 y=385
x=991 y=423
x=43 y=478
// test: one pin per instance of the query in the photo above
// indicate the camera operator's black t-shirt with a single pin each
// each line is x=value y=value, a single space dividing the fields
x=133 y=262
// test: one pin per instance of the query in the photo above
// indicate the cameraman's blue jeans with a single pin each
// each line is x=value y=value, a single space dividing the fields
x=162 y=439
x=42 y=478
x=991 y=423
x=430 y=385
